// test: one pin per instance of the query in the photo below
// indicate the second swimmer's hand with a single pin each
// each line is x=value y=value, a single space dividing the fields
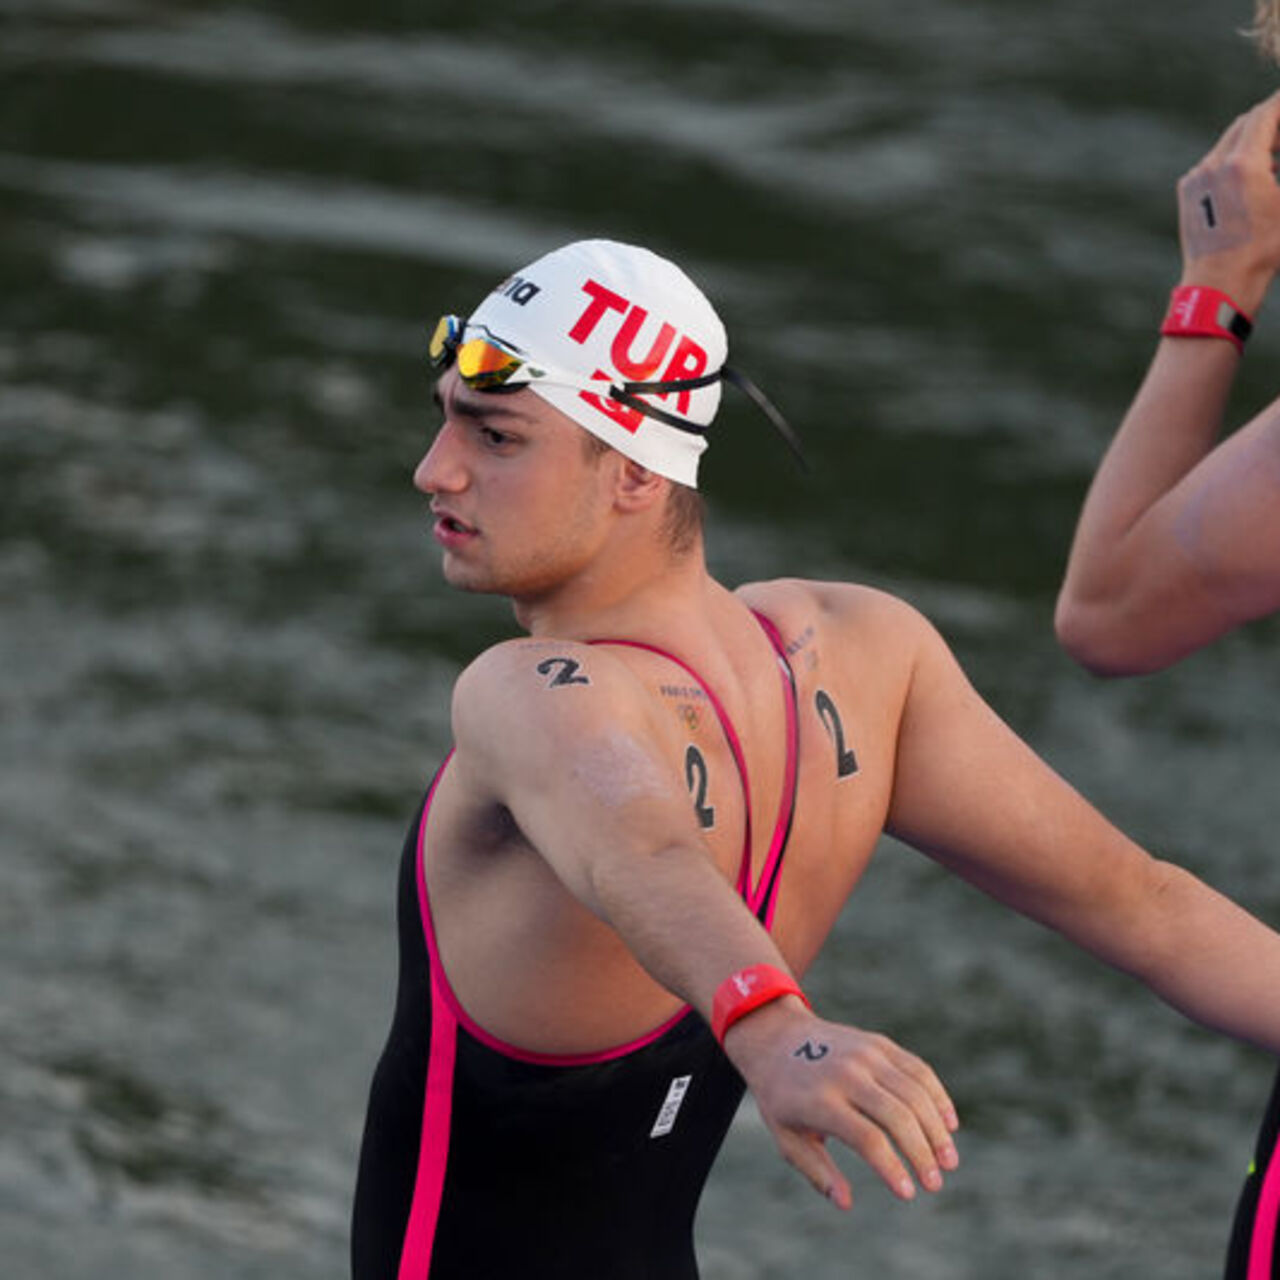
x=813 y=1080
x=1229 y=210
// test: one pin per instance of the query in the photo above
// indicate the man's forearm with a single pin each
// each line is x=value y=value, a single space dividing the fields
x=681 y=920
x=1211 y=960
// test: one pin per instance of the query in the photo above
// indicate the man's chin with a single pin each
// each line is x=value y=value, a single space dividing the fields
x=463 y=579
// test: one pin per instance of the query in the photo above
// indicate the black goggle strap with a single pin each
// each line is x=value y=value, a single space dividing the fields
x=623 y=396
x=628 y=392
x=770 y=411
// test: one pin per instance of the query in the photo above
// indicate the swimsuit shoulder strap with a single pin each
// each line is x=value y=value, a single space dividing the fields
x=764 y=897
x=731 y=737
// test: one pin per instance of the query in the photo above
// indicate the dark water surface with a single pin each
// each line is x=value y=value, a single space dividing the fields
x=940 y=233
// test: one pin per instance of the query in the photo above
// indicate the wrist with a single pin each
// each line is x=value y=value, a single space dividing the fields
x=1204 y=311
x=749 y=989
x=1246 y=288
x=758 y=1033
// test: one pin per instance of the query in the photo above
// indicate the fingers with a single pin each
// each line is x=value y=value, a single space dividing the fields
x=1228 y=142
x=923 y=1075
x=1258 y=127
x=807 y=1153
x=1255 y=131
x=1229 y=208
x=899 y=1119
x=915 y=1084
x=882 y=1102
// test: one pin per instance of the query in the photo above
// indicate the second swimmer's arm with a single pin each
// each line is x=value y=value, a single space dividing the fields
x=1172 y=546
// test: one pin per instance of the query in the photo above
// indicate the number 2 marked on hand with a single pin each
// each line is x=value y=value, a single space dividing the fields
x=813 y=1052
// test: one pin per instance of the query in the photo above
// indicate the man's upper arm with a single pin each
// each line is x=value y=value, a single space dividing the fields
x=1225 y=518
x=563 y=736
x=1204 y=559
x=973 y=795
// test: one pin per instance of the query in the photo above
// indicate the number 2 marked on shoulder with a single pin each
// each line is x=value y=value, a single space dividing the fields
x=698 y=778
x=566 y=672
x=846 y=761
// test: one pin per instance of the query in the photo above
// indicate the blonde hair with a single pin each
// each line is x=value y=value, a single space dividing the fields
x=1265 y=31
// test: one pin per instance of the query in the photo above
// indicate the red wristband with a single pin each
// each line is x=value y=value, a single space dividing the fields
x=1197 y=311
x=746 y=990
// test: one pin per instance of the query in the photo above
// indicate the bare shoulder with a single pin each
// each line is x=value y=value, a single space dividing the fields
x=848 y=612
x=517 y=677
x=524 y=704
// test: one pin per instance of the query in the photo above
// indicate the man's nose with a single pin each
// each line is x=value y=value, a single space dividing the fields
x=441 y=469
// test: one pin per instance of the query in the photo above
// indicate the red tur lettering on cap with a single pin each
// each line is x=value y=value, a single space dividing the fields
x=688 y=361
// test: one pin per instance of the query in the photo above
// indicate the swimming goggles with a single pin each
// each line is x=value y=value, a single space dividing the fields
x=486 y=362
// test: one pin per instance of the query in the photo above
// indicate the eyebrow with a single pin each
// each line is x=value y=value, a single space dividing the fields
x=478 y=408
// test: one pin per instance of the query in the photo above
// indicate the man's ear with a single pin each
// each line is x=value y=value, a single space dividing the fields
x=636 y=488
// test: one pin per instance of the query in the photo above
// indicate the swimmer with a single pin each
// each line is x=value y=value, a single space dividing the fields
x=659 y=799
x=1178 y=542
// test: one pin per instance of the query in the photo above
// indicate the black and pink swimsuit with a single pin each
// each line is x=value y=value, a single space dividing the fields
x=1254 y=1251
x=484 y=1161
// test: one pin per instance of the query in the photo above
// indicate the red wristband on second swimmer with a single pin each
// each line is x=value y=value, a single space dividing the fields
x=1197 y=311
x=746 y=990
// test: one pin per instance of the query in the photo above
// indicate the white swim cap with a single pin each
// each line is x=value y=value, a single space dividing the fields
x=600 y=309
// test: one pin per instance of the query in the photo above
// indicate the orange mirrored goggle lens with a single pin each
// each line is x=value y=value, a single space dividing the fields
x=481 y=362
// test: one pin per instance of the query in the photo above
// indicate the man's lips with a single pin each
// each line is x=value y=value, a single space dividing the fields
x=449 y=530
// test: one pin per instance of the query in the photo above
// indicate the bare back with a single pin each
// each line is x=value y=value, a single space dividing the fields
x=533 y=965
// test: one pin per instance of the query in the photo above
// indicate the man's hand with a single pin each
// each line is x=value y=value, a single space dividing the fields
x=813 y=1079
x=1229 y=210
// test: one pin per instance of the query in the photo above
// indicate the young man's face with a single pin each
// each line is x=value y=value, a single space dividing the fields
x=519 y=505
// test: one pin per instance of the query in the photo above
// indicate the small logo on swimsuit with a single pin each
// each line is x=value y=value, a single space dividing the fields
x=666 y=1120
